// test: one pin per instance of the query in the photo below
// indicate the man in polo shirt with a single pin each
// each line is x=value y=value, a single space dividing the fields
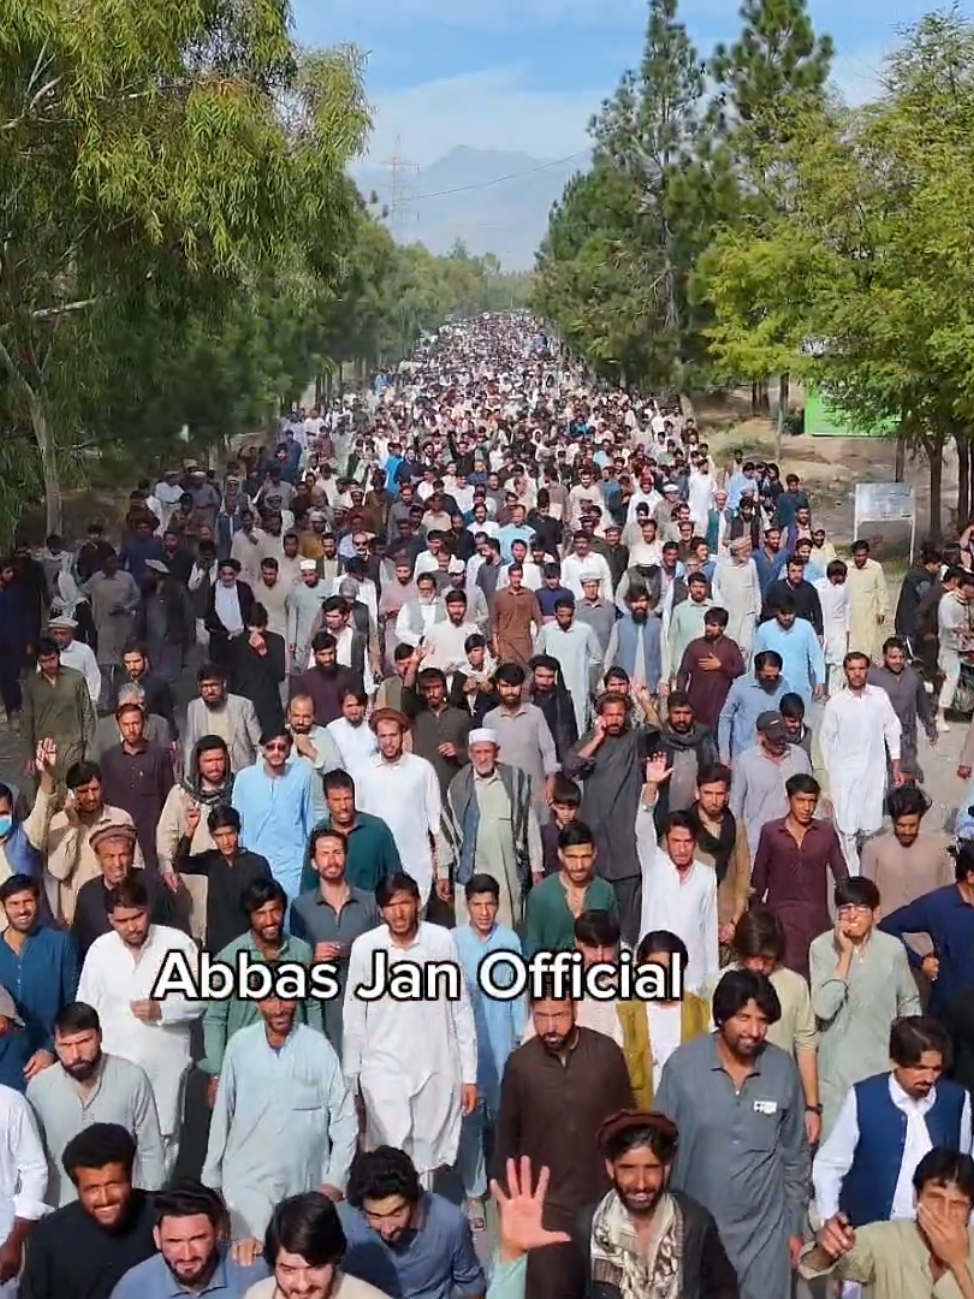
x=371 y=852
x=333 y=915
x=193 y=1255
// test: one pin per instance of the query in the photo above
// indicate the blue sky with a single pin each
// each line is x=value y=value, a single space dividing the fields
x=526 y=75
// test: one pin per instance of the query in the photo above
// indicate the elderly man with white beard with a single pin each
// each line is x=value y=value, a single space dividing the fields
x=489 y=827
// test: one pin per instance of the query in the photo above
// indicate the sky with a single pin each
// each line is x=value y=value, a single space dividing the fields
x=526 y=75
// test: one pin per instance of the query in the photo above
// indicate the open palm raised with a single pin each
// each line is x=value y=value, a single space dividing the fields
x=521 y=1211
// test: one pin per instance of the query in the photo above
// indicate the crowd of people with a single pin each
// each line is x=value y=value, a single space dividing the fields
x=488 y=660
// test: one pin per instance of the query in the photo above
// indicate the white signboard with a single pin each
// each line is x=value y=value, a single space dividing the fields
x=885 y=503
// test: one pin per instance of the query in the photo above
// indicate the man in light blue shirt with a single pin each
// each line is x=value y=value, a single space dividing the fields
x=795 y=639
x=192 y=1258
x=274 y=799
x=500 y=1025
x=516 y=530
x=747 y=699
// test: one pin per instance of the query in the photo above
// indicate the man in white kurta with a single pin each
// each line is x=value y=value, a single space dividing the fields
x=118 y=979
x=403 y=790
x=679 y=893
x=833 y=596
x=859 y=727
x=283 y=1120
x=868 y=602
x=576 y=647
x=737 y=588
x=414 y=1063
x=23 y=1172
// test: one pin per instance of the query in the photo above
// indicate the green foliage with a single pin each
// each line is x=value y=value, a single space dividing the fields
x=620 y=274
x=158 y=161
x=862 y=281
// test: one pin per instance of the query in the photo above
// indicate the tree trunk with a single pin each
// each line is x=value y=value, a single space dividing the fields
x=49 y=466
x=935 y=454
x=784 y=394
x=963 y=443
x=755 y=397
x=900 y=470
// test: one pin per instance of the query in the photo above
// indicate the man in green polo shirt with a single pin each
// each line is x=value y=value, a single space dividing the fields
x=555 y=903
x=372 y=851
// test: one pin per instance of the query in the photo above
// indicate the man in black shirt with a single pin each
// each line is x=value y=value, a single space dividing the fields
x=228 y=869
x=83 y=1250
x=114 y=846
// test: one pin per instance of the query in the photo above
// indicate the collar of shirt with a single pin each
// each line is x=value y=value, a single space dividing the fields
x=907 y=1103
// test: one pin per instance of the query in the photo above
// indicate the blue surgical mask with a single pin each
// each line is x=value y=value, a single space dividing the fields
x=6 y=825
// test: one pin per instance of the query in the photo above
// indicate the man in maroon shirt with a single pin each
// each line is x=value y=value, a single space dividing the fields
x=711 y=664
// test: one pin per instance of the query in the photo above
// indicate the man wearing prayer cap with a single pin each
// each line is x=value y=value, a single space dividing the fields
x=114 y=846
x=489 y=827
x=76 y=654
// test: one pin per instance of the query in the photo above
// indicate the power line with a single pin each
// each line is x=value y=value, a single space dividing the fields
x=499 y=180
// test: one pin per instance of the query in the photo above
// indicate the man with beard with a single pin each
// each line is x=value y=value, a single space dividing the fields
x=709 y=667
x=910 y=701
x=720 y=846
x=688 y=748
x=137 y=670
x=194 y=1256
x=217 y=712
x=283 y=1120
x=87 y=1086
x=738 y=1106
x=865 y=1168
x=83 y=1250
x=747 y=699
x=611 y=760
x=587 y=1071
x=326 y=682
x=642 y=1238
x=164 y=620
x=550 y=694
x=401 y=1238
x=636 y=641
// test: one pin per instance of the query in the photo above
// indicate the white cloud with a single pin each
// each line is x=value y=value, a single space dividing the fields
x=493 y=109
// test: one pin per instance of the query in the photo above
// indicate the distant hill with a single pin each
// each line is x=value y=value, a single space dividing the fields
x=508 y=218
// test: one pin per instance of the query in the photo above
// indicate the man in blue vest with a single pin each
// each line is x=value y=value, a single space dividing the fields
x=887 y=1124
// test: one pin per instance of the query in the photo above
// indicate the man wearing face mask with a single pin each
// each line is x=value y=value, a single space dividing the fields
x=86 y=1085
x=639 y=1149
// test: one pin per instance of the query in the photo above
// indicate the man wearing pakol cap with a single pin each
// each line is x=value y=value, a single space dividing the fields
x=687 y=1257
x=114 y=847
x=489 y=827
x=76 y=654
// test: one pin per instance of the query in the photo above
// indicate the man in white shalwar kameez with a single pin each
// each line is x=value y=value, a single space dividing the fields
x=833 y=596
x=737 y=588
x=858 y=727
x=283 y=1120
x=139 y=1022
x=576 y=647
x=23 y=1177
x=414 y=1063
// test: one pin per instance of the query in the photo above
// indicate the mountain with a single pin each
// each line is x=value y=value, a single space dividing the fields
x=466 y=195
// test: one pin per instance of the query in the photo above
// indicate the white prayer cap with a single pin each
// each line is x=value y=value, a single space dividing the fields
x=589 y=575
x=484 y=736
x=62 y=622
x=457 y=565
x=307 y=565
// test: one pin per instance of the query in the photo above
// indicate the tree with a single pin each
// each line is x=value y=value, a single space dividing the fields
x=768 y=81
x=154 y=161
x=862 y=280
x=653 y=168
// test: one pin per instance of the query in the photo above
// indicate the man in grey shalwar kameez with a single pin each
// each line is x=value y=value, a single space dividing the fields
x=743 y=1153
x=610 y=760
x=910 y=701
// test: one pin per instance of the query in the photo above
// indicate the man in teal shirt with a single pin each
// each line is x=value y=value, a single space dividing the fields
x=372 y=851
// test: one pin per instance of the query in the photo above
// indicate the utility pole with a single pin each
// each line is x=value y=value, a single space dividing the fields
x=402 y=188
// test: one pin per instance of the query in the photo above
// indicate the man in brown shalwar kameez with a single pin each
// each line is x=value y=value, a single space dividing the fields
x=557 y=1091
